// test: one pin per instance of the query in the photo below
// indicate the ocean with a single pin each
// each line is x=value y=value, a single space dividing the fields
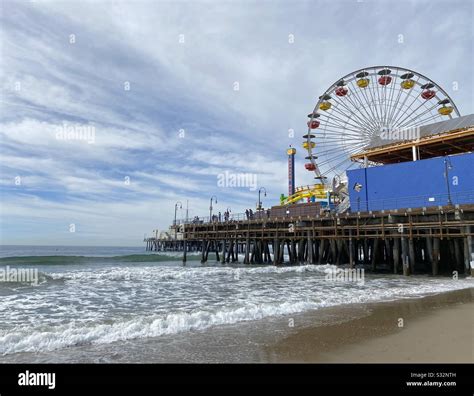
x=111 y=304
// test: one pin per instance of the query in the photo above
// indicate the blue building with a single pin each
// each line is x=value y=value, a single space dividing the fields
x=435 y=169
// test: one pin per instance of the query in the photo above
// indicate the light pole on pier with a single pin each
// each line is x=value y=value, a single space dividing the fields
x=175 y=210
x=447 y=167
x=210 y=207
x=259 y=207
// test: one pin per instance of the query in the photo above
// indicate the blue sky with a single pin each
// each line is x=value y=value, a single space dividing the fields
x=182 y=123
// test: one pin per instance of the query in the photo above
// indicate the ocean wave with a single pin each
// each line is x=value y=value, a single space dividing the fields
x=48 y=337
x=176 y=273
x=61 y=260
x=21 y=340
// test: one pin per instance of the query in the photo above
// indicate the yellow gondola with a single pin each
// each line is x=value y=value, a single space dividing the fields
x=445 y=110
x=306 y=145
x=363 y=82
x=325 y=106
x=407 y=84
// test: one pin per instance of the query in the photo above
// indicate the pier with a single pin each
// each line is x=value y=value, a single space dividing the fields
x=434 y=240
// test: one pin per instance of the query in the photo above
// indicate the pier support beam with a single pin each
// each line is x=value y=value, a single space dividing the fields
x=435 y=261
x=469 y=252
x=466 y=256
x=396 y=255
x=351 y=250
x=429 y=251
x=333 y=246
x=375 y=253
x=458 y=255
x=310 y=248
x=365 y=248
x=293 y=255
x=276 y=251
x=203 y=252
x=388 y=252
x=252 y=252
x=223 y=252
x=321 y=251
x=235 y=252
x=411 y=253
x=281 y=252
x=185 y=251
x=266 y=253
x=300 y=251
x=340 y=251
x=231 y=257
x=405 y=260
x=247 y=250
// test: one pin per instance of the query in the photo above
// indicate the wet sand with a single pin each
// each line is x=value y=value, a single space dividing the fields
x=437 y=329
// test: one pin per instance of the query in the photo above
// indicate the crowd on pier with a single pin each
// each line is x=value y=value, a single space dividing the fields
x=226 y=216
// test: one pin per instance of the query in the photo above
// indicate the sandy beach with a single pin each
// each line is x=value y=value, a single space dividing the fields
x=436 y=329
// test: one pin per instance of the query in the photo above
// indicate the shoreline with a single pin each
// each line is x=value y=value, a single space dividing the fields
x=431 y=329
x=437 y=328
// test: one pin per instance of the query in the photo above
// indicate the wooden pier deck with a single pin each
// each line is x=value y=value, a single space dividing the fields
x=436 y=240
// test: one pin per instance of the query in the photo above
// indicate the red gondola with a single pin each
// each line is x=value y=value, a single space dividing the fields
x=428 y=94
x=313 y=124
x=310 y=167
x=341 y=91
x=385 y=80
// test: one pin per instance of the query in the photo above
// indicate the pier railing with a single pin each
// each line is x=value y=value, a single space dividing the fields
x=263 y=214
x=407 y=202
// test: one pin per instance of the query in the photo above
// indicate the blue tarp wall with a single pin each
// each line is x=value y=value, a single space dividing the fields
x=413 y=184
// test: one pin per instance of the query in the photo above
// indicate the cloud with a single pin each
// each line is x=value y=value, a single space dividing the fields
x=157 y=82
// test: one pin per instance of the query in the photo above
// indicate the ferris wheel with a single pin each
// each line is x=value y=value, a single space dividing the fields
x=364 y=109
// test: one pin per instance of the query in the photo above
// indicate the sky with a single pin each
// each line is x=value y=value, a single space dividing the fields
x=113 y=111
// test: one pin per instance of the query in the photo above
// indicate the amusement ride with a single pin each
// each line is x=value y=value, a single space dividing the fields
x=366 y=108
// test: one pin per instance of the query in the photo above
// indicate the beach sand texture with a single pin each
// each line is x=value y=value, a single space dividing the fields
x=435 y=329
